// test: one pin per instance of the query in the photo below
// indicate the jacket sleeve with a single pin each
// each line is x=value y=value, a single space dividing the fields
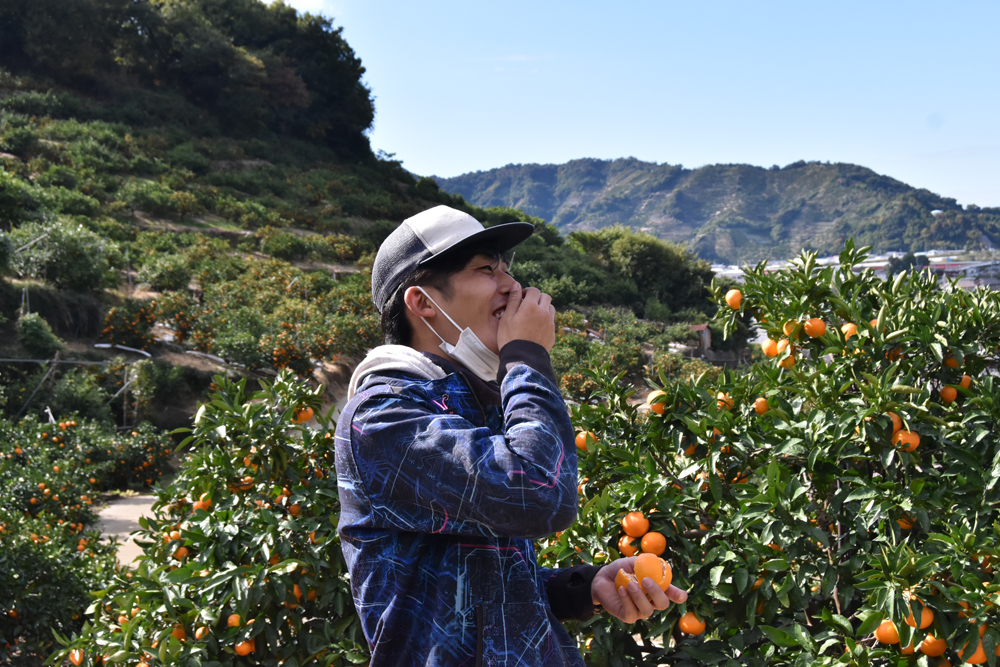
x=568 y=591
x=425 y=470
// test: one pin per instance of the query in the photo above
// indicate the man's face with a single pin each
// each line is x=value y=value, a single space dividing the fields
x=478 y=298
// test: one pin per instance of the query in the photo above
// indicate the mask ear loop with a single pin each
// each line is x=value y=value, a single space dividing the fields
x=441 y=310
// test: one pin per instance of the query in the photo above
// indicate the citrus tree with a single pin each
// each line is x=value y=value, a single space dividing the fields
x=242 y=562
x=51 y=555
x=816 y=504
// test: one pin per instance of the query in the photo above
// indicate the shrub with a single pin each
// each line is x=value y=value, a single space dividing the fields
x=254 y=510
x=20 y=141
x=130 y=324
x=166 y=273
x=36 y=336
x=188 y=157
x=176 y=310
x=70 y=256
x=6 y=253
x=140 y=194
x=18 y=199
x=796 y=532
x=49 y=560
x=282 y=244
x=78 y=392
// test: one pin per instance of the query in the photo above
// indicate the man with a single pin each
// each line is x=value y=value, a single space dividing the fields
x=454 y=452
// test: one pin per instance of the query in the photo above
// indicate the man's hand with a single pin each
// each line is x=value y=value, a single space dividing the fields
x=629 y=603
x=529 y=316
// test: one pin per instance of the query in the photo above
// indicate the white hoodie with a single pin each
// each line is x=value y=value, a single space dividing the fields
x=393 y=358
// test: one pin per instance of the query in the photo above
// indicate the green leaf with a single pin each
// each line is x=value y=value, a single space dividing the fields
x=870 y=623
x=741 y=578
x=775 y=565
x=863 y=493
x=837 y=622
x=779 y=637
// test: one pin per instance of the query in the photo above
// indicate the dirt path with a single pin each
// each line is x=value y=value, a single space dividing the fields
x=119 y=518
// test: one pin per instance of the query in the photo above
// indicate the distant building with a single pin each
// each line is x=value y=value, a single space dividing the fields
x=704 y=336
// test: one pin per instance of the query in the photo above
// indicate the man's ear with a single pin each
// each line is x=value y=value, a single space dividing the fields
x=418 y=303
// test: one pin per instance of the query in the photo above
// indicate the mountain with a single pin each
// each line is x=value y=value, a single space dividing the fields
x=735 y=213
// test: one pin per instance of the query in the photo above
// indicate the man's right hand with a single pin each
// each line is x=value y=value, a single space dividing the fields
x=529 y=316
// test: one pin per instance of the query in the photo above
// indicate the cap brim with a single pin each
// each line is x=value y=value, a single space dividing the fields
x=499 y=237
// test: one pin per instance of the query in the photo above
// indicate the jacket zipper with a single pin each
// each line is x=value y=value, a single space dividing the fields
x=479 y=636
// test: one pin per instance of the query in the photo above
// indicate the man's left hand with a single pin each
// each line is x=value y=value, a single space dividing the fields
x=632 y=604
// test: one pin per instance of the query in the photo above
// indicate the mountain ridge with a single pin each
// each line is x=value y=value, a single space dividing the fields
x=734 y=212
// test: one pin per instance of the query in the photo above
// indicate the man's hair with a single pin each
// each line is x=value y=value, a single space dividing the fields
x=396 y=329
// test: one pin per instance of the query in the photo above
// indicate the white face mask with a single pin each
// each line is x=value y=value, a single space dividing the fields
x=470 y=351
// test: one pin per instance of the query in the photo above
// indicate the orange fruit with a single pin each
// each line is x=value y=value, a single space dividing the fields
x=181 y=553
x=906 y=523
x=582 y=438
x=787 y=362
x=724 y=401
x=926 y=617
x=952 y=362
x=294 y=509
x=908 y=650
x=653 y=543
x=691 y=624
x=965 y=382
x=788 y=327
x=622 y=578
x=948 y=394
x=201 y=633
x=886 y=632
x=897 y=423
x=782 y=344
x=659 y=407
x=849 y=329
x=815 y=327
x=303 y=415
x=179 y=633
x=76 y=656
x=977 y=658
x=906 y=440
x=932 y=646
x=635 y=524
x=769 y=348
x=733 y=298
x=245 y=647
x=654 y=567
x=626 y=546
x=234 y=621
x=760 y=406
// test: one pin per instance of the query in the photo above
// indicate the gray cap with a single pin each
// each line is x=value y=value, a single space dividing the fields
x=431 y=234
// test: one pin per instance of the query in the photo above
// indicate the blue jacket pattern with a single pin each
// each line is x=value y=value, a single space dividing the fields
x=440 y=501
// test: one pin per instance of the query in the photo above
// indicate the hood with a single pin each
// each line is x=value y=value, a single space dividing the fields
x=394 y=358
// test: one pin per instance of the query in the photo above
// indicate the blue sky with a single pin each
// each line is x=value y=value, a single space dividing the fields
x=909 y=89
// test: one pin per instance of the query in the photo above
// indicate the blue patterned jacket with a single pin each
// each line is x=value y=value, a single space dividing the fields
x=441 y=496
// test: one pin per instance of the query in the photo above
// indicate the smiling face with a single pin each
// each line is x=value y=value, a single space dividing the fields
x=478 y=297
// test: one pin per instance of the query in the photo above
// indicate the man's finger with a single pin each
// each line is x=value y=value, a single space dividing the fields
x=531 y=295
x=676 y=594
x=642 y=602
x=627 y=611
x=656 y=595
x=513 y=300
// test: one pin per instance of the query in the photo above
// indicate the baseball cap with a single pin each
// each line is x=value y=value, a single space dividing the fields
x=430 y=234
